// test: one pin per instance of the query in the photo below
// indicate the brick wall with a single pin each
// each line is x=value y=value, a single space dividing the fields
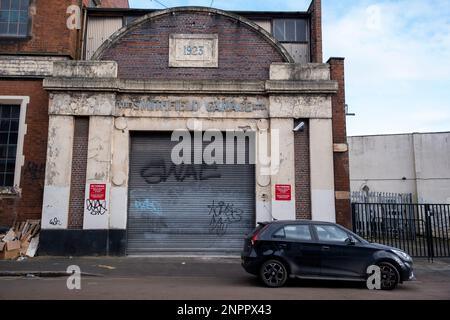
x=316 y=31
x=341 y=165
x=143 y=53
x=302 y=172
x=78 y=180
x=29 y=205
x=49 y=32
x=110 y=3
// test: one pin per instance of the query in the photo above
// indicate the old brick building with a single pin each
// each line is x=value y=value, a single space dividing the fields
x=111 y=185
x=33 y=34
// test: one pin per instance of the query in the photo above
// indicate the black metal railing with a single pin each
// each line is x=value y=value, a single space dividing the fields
x=422 y=230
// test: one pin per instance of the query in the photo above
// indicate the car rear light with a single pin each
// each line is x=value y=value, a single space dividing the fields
x=255 y=237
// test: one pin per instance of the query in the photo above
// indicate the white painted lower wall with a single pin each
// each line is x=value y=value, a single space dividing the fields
x=322 y=170
x=58 y=172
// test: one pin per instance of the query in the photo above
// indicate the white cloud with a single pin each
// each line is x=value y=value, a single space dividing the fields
x=401 y=40
x=397 y=69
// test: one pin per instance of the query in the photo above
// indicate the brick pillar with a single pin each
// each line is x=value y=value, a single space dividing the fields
x=302 y=173
x=341 y=165
x=78 y=180
x=315 y=10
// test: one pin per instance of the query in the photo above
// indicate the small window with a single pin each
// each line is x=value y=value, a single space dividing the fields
x=331 y=233
x=9 y=127
x=14 y=18
x=294 y=232
x=290 y=30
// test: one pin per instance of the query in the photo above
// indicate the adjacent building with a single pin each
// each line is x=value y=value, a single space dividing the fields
x=416 y=164
x=136 y=84
x=33 y=35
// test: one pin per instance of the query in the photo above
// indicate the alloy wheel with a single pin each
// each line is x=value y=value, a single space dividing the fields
x=273 y=273
x=389 y=276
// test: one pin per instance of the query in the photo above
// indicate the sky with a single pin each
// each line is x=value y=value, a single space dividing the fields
x=397 y=57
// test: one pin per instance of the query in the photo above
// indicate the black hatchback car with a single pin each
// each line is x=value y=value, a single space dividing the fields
x=276 y=251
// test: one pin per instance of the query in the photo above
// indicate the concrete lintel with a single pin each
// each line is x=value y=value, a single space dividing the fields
x=81 y=84
x=155 y=86
x=301 y=86
x=296 y=71
x=85 y=69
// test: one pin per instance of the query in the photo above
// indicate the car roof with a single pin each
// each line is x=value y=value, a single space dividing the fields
x=298 y=222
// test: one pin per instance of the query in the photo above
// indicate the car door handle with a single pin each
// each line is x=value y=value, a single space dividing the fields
x=283 y=245
x=325 y=248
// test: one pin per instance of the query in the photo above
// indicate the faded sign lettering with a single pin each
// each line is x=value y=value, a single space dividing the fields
x=221 y=105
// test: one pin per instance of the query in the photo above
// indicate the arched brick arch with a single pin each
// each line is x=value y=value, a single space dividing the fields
x=142 y=48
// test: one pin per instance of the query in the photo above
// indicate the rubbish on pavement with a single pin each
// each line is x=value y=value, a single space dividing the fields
x=21 y=240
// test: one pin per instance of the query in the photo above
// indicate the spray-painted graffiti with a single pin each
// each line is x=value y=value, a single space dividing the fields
x=222 y=215
x=34 y=170
x=55 y=222
x=96 y=207
x=157 y=172
x=149 y=206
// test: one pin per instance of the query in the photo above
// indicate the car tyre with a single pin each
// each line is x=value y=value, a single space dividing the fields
x=273 y=274
x=389 y=276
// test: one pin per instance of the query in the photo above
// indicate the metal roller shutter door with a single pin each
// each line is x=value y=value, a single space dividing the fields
x=189 y=209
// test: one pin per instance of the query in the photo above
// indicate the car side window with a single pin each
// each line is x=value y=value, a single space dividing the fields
x=331 y=233
x=294 y=232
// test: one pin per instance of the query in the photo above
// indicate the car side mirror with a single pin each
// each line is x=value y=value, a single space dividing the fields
x=350 y=241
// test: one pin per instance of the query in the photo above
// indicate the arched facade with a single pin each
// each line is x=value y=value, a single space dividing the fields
x=142 y=49
x=202 y=71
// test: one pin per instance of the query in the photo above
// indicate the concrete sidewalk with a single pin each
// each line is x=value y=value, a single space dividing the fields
x=126 y=266
x=161 y=266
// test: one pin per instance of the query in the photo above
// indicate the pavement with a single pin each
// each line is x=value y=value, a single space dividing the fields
x=178 y=278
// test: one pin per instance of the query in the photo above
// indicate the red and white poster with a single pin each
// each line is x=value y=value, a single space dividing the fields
x=283 y=192
x=97 y=192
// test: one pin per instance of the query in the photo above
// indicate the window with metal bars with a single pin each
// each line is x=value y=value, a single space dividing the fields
x=14 y=18
x=9 y=129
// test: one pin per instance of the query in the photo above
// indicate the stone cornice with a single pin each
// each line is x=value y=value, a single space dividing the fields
x=191 y=87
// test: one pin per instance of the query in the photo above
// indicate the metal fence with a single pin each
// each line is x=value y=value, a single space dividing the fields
x=380 y=197
x=422 y=230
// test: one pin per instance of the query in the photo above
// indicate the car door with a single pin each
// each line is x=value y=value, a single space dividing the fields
x=300 y=248
x=340 y=258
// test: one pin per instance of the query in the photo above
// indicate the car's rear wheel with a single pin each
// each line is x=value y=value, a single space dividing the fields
x=273 y=273
x=389 y=276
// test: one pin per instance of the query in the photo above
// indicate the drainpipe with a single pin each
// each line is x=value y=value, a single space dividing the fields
x=83 y=33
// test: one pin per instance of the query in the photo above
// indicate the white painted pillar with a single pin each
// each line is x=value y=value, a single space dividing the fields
x=55 y=209
x=263 y=176
x=120 y=167
x=98 y=177
x=322 y=170
x=283 y=179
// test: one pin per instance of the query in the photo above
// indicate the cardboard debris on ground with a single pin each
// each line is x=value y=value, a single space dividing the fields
x=21 y=240
x=33 y=246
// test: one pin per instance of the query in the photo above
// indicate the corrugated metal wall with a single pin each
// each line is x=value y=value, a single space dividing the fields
x=186 y=208
x=99 y=29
